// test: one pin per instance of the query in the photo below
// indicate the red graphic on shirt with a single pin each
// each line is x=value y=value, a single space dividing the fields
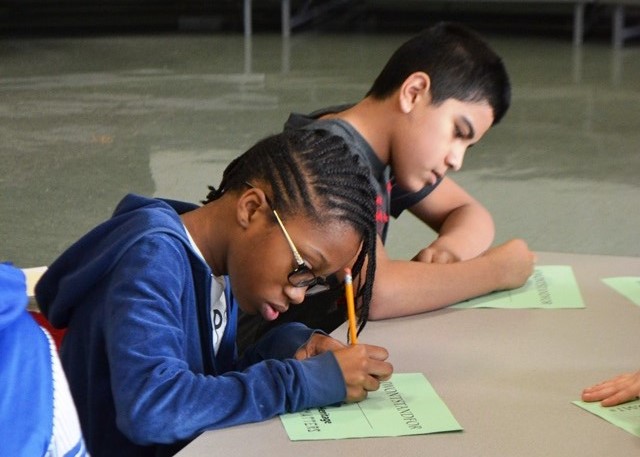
x=381 y=214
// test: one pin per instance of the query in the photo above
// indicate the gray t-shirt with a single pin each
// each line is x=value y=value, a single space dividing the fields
x=391 y=199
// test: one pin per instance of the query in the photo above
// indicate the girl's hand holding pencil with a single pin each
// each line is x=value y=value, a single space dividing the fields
x=363 y=366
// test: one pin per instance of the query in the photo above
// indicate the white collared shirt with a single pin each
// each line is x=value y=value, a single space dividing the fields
x=218 y=312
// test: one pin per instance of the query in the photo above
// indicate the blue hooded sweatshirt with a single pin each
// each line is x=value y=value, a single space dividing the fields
x=37 y=416
x=138 y=351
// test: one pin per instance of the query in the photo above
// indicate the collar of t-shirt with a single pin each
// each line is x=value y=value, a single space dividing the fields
x=218 y=313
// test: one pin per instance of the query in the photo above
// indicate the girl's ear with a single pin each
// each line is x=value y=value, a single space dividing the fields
x=248 y=206
x=414 y=89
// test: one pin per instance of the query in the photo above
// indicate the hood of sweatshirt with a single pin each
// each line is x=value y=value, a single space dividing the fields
x=86 y=262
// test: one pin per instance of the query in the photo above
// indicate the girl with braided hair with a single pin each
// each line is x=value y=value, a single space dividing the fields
x=150 y=300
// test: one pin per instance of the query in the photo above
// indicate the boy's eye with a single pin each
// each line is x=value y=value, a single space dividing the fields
x=462 y=133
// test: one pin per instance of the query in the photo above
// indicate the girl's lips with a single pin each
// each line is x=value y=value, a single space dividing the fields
x=269 y=312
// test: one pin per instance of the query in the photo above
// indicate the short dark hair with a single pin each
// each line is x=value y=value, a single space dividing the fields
x=459 y=62
x=313 y=174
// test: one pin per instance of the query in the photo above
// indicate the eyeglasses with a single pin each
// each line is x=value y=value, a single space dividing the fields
x=301 y=275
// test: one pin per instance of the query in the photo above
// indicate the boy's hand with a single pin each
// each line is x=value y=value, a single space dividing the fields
x=614 y=391
x=363 y=367
x=318 y=344
x=513 y=262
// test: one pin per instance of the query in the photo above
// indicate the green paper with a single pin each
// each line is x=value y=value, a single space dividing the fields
x=628 y=286
x=626 y=416
x=404 y=405
x=549 y=287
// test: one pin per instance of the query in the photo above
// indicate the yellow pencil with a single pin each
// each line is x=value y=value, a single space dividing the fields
x=351 y=306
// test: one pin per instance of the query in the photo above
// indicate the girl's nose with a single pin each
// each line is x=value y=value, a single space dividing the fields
x=295 y=294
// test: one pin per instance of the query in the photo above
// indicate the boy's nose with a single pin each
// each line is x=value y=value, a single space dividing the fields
x=456 y=157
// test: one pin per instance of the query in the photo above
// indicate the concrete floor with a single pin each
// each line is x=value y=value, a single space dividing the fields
x=84 y=120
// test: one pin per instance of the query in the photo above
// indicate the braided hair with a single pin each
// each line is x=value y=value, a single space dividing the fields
x=313 y=174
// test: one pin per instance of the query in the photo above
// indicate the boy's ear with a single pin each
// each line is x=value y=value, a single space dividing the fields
x=415 y=88
x=248 y=205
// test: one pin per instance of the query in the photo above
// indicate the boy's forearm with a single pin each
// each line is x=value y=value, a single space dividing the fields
x=465 y=227
x=467 y=232
x=406 y=287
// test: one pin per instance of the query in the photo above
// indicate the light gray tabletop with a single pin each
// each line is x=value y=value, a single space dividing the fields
x=508 y=376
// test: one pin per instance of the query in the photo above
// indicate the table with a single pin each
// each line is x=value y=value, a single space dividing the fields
x=508 y=376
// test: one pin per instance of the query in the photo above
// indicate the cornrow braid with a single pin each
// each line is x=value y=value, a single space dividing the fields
x=313 y=174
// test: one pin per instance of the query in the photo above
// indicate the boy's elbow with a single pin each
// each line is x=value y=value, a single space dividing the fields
x=379 y=309
x=375 y=316
x=382 y=300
